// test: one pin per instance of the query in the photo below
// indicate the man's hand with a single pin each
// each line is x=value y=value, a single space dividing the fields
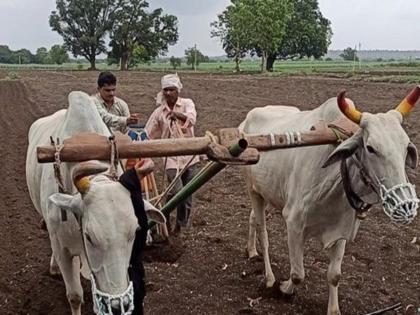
x=175 y=115
x=133 y=119
x=171 y=115
x=144 y=167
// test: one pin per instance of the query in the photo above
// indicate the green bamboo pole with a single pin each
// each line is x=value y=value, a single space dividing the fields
x=200 y=179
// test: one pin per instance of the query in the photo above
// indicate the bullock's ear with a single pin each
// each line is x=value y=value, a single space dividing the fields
x=412 y=156
x=67 y=202
x=345 y=149
x=153 y=213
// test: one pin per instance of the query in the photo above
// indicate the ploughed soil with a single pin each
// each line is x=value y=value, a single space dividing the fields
x=205 y=271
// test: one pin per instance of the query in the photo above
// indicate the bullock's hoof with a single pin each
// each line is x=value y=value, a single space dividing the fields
x=361 y=216
x=255 y=259
x=288 y=297
x=54 y=273
x=274 y=292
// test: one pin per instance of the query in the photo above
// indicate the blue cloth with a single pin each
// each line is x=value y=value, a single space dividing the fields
x=137 y=132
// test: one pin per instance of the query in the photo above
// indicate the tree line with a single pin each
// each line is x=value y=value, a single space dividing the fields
x=56 y=55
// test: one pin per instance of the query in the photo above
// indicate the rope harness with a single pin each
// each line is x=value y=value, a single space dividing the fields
x=57 y=173
x=104 y=303
x=179 y=173
x=355 y=201
x=398 y=202
x=114 y=158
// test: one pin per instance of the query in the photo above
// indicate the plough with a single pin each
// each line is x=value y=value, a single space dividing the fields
x=228 y=146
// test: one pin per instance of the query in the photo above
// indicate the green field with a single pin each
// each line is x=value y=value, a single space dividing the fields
x=391 y=71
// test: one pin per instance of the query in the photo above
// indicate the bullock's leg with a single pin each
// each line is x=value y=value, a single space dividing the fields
x=335 y=253
x=258 y=209
x=295 y=244
x=252 y=237
x=70 y=270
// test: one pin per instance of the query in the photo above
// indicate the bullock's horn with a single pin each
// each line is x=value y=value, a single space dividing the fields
x=349 y=111
x=82 y=171
x=407 y=104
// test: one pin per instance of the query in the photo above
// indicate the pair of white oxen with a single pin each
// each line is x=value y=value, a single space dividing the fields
x=305 y=183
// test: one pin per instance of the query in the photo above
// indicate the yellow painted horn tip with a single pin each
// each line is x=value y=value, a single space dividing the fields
x=83 y=184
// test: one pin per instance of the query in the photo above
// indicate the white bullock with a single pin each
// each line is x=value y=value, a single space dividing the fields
x=306 y=183
x=101 y=225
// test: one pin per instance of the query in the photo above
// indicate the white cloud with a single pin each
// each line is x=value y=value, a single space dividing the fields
x=376 y=24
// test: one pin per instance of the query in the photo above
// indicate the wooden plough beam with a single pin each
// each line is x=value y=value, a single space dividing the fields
x=89 y=146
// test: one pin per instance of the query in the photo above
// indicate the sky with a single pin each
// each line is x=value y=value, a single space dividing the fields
x=374 y=24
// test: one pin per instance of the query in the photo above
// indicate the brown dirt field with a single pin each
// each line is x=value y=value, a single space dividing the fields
x=206 y=271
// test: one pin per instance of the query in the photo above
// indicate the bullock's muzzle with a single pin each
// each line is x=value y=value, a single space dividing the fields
x=108 y=304
x=400 y=202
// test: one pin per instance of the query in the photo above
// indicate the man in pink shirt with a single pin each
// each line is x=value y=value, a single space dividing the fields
x=175 y=117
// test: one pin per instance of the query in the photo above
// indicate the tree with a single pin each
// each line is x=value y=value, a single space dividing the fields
x=42 y=56
x=58 y=55
x=5 y=54
x=135 y=28
x=83 y=25
x=175 y=62
x=194 y=57
x=262 y=24
x=308 y=34
x=234 y=39
x=22 y=56
x=349 y=54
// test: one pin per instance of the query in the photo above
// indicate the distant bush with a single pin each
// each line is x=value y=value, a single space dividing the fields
x=12 y=76
x=328 y=59
x=379 y=59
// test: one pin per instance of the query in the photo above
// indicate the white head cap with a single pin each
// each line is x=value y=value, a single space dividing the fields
x=171 y=80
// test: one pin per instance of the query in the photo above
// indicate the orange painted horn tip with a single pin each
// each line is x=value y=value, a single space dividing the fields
x=341 y=94
x=414 y=95
x=341 y=100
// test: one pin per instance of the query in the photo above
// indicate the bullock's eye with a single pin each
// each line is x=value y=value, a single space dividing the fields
x=370 y=149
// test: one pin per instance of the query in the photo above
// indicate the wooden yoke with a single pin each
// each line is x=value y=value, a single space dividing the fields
x=90 y=146
x=319 y=134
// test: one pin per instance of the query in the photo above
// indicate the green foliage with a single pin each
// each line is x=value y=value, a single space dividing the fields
x=253 y=25
x=139 y=55
x=235 y=40
x=194 y=57
x=349 y=54
x=5 y=54
x=22 y=56
x=175 y=62
x=83 y=25
x=58 y=55
x=308 y=32
x=42 y=56
x=138 y=35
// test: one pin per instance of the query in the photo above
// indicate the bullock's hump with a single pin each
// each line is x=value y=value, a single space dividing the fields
x=265 y=116
x=78 y=98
